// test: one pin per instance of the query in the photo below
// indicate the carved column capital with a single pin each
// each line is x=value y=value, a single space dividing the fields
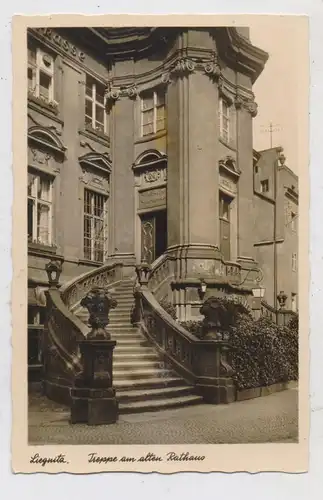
x=212 y=69
x=252 y=107
x=181 y=68
x=112 y=93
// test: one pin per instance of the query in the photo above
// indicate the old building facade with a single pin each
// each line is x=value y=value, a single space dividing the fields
x=140 y=145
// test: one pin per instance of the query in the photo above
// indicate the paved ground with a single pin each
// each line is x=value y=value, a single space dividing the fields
x=268 y=419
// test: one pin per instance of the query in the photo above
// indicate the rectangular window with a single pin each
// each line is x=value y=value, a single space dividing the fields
x=95 y=105
x=293 y=221
x=294 y=302
x=225 y=231
x=264 y=186
x=153 y=117
x=224 y=116
x=294 y=262
x=40 y=74
x=95 y=222
x=39 y=208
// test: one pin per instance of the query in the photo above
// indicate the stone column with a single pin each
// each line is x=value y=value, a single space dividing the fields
x=192 y=181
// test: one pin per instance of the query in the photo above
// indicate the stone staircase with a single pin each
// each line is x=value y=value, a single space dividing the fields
x=141 y=381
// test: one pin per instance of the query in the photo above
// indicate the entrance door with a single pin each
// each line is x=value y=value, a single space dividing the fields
x=224 y=216
x=148 y=238
x=153 y=235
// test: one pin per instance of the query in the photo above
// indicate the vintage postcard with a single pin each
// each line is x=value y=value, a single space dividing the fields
x=161 y=209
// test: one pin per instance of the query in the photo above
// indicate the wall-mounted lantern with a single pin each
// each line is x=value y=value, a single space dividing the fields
x=202 y=289
x=53 y=270
x=258 y=292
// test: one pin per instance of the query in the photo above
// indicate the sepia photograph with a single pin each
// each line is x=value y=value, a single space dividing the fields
x=162 y=242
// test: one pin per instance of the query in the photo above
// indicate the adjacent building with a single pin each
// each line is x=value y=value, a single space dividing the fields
x=276 y=226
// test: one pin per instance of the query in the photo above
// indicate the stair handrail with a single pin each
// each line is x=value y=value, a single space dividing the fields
x=74 y=290
x=171 y=340
x=64 y=329
x=281 y=316
x=156 y=275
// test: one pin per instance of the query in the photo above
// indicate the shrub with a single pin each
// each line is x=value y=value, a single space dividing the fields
x=263 y=353
x=194 y=327
x=293 y=323
x=169 y=307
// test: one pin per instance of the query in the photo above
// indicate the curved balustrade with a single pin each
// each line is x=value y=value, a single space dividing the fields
x=73 y=291
x=64 y=329
x=162 y=271
x=200 y=362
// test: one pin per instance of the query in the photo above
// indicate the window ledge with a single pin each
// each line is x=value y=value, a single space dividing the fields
x=33 y=245
x=92 y=133
x=151 y=137
x=93 y=263
x=50 y=106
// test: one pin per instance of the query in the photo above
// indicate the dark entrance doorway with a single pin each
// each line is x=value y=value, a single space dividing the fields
x=153 y=235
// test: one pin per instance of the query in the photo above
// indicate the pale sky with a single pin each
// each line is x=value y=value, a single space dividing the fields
x=276 y=90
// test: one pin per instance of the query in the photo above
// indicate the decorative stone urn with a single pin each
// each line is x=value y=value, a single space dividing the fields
x=215 y=319
x=93 y=397
x=99 y=302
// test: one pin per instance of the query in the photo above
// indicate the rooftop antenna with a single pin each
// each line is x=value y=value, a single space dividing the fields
x=270 y=130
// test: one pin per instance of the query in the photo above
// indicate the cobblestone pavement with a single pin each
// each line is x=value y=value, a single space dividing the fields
x=268 y=419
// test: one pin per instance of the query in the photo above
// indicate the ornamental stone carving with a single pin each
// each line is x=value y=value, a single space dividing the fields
x=132 y=92
x=112 y=93
x=182 y=67
x=152 y=176
x=252 y=107
x=40 y=157
x=212 y=69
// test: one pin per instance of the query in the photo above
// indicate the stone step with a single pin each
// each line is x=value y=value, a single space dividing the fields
x=140 y=373
x=159 y=404
x=152 y=394
x=133 y=350
x=134 y=366
x=121 y=337
x=134 y=356
x=127 y=384
x=121 y=326
x=130 y=342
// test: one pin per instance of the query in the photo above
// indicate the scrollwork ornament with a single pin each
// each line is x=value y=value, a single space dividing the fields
x=165 y=78
x=212 y=69
x=238 y=102
x=132 y=92
x=252 y=107
x=184 y=66
x=112 y=93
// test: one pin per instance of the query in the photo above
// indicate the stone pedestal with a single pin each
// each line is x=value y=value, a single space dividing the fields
x=215 y=381
x=93 y=397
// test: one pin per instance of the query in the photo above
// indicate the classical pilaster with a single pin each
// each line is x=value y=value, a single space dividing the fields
x=122 y=230
x=246 y=109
